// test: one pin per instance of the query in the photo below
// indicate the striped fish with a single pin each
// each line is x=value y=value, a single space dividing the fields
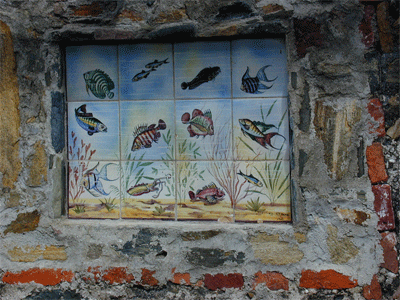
x=88 y=122
x=255 y=130
x=146 y=135
x=253 y=85
x=99 y=83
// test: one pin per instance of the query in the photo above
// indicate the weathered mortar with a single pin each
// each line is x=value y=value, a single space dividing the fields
x=334 y=234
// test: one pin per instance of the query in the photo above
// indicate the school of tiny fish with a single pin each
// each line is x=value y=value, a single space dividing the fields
x=152 y=66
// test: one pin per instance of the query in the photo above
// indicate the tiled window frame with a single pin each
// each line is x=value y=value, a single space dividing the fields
x=251 y=99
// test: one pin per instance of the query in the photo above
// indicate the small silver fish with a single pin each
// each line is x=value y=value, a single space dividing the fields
x=155 y=64
x=251 y=179
x=142 y=75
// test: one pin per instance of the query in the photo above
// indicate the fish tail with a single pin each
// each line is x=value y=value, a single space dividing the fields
x=192 y=196
x=161 y=125
x=184 y=85
x=110 y=95
x=240 y=173
x=165 y=61
x=268 y=136
x=261 y=75
x=103 y=172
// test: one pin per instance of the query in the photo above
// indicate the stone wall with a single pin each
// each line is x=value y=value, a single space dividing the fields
x=343 y=65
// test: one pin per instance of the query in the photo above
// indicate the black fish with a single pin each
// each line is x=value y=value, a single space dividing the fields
x=99 y=83
x=205 y=75
x=253 y=85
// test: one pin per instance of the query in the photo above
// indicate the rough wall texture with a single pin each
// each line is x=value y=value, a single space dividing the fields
x=344 y=91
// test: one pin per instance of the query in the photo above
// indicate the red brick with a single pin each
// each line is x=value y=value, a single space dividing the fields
x=388 y=243
x=273 y=280
x=41 y=276
x=376 y=163
x=373 y=291
x=326 y=279
x=376 y=111
x=180 y=278
x=220 y=281
x=383 y=206
x=117 y=275
x=365 y=27
x=147 y=278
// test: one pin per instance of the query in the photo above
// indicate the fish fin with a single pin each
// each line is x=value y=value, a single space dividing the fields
x=208 y=113
x=103 y=173
x=99 y=188
x=147 y=146
x=94 y=193
x=192 y=196
x=161 y=125
x=262 y=126
x=196 y=112
x=90 y=133
x=263 y=87
x=261 y=75
x=197 y=84
x=110 y=95
x=139 y=129
x=165 y=61
x=184 y=85
x=152 y=126
x=185 y=118
x=268 y=137
x=246 y=74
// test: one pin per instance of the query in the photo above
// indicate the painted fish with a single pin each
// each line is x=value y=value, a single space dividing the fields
x=253 y=85
x=91 y=180
x=88 y=122
x=200 y=124
x=142 y=75
x=209 y=194
x=256 y=131
x=99 y=83
x=205 y=75
x=146 y=135
x=251 y=179
x=155 y=64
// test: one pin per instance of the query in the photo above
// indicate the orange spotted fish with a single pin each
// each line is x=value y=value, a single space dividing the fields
x=146 y=135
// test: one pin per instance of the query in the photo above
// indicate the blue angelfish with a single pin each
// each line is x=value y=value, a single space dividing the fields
x=91 y=180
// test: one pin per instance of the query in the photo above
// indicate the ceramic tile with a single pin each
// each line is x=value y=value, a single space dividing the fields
x=147 y=130
x=92 y=73
x=148 y=190
x=203 y=191
x=203 y=129
x=93 y=130
x=202 y=70
x=146 y=71
x=265 y=61
x=260 y=129
x=264 y=191
x=93 y=190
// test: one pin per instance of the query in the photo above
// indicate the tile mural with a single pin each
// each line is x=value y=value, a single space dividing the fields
x=185 y=131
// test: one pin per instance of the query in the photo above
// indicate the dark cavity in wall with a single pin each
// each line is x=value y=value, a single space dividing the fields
x=305 y=110
x=57 y=121
x=234 y=11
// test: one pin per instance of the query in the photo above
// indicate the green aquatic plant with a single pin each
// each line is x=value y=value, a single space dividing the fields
x=78 y=151
x=158 y=211
x=169 y=156
x=255 y=205
x=108 y=203
x=79 y=208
